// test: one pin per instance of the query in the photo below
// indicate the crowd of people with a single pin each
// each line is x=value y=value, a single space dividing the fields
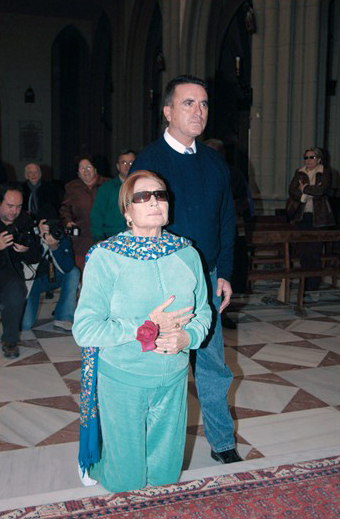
x=152 y=249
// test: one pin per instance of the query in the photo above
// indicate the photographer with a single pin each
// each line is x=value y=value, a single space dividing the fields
x=18 y=244
x=56 y=269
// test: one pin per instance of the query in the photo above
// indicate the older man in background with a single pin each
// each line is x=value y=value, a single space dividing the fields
x=41 y=198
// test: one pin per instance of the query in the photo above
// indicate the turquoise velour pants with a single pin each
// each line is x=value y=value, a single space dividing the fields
x=144 y=432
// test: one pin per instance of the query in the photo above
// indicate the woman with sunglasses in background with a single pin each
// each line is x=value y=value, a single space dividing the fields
x=142 y=307
x=309 y=188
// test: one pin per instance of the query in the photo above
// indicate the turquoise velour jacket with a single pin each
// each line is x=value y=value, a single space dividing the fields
x=117 y=296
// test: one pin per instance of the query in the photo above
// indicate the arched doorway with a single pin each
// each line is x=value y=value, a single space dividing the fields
x=154 y=65
x=70 y=72
x=101 y=96
x=231 y=90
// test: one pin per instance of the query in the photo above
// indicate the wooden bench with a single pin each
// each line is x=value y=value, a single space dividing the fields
x=283 y=266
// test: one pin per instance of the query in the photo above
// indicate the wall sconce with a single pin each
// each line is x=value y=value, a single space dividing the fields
x=29 y=95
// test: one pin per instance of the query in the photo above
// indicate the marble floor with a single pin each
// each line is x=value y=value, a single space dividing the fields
x=285 y=398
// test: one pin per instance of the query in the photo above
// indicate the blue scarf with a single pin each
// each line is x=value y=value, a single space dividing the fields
x=139 y=248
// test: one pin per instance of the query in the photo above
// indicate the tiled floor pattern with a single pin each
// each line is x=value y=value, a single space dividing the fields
x=285 y=396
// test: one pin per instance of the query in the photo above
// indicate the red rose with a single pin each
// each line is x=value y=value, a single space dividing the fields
x=147 y=334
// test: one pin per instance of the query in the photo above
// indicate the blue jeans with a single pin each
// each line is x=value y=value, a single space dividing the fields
x=213 y=379
x=64 y=311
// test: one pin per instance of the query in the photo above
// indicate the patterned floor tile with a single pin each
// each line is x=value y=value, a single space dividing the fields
x=58 y=402
x=65 y=368
x=303 y=400
x=35 y=358
x=29 y=424
x=69 y=433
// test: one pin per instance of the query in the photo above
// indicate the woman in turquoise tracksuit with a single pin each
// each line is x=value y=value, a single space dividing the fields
x=142 y=307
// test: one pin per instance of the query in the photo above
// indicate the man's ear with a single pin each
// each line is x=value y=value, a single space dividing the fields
x=167 y=113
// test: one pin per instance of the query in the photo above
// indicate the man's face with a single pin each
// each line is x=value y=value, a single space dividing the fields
x=33 y=173
x=10 y=207
x=124 y=164
x=188 y=113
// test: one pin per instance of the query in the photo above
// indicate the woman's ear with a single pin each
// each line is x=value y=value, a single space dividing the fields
x=128 y=218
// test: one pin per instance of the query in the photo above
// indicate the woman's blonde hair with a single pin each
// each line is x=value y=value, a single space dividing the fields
x=126 y=190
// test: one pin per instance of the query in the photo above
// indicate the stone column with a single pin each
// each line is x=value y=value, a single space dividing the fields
x=285 y=82
x=171 y=39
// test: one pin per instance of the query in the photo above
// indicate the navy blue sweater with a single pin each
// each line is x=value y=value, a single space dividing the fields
x=201 y=203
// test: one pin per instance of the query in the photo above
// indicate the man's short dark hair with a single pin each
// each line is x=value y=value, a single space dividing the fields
x=181 y=80
x=126 y=151
x=11 y=186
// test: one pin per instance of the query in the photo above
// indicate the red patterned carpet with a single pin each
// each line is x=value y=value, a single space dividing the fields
x=301 y=491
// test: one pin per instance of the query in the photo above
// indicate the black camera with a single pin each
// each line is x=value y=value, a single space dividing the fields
x=56 y=229
x=25 y=237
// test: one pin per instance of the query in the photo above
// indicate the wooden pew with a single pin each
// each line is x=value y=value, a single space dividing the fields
x=282 y=266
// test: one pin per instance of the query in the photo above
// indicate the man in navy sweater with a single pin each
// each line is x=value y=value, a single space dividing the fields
x=202 y=209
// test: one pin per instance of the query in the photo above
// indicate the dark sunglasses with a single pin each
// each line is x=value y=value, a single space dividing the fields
x=306 y=157
x=144 y=196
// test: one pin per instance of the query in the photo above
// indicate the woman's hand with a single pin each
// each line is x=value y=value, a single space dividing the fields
x=301 y=186
x=170 y=321
x=172 y=343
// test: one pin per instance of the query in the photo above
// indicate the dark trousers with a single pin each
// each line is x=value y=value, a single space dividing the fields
x=309 y=253
x=12 y=301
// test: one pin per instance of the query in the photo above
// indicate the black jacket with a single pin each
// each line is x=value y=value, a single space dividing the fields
x=10 y=260
x=48 y=200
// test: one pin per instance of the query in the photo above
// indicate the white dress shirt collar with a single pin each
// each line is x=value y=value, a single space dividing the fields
x=176 y=145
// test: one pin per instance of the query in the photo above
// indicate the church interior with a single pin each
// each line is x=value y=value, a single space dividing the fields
x=88 y=76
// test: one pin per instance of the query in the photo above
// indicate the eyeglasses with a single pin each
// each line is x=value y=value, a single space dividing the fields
x=144 y=196
x=311 y=157
x=86 y=168
x=125 y=162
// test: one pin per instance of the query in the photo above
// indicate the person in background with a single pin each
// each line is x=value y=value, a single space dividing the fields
x=15 y=225
x=203 y=211
x=241 y=197
x=76 y=207
x=143 y=306
x=55 y=270
x=309 y=188
x=106 y=218
x=41 y=198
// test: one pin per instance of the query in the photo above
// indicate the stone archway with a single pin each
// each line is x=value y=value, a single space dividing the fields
x=137 y=133
x=70 y=72
x=101 y=90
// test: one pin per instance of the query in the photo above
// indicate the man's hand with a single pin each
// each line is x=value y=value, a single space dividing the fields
x=20 y=248
x=44 y=231
x=224 y=287
x=6 y=240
